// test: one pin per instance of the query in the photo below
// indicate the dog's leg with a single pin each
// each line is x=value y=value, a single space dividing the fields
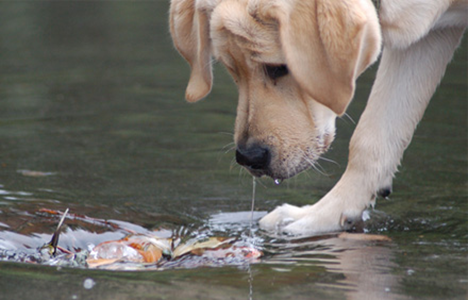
x=405 y=82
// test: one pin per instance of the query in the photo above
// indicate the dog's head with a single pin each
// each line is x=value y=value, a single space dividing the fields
x=294 y=62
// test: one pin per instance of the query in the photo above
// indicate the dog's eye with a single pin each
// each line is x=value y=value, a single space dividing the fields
x=276 y=71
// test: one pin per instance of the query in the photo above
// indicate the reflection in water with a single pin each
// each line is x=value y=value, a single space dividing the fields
x=363 y=261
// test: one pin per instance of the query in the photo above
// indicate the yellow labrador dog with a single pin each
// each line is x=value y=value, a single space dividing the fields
x=295 y=63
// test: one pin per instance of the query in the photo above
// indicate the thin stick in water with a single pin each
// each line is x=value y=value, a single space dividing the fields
x=54 y=241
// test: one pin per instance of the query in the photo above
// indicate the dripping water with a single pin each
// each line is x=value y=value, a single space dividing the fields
x=254 y=185
x=252 y=238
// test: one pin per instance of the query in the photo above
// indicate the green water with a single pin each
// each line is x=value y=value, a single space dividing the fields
x=91 y=96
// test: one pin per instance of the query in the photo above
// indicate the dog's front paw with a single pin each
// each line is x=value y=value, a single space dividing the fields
x=331 y=214
x=281 y=216
x=315 y=220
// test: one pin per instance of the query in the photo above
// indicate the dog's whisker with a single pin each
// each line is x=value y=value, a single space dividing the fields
x=223 y=150
x=226 y=133
x=329 y=160
x=349 y=118
x=231 y=146
x=315 y=165
x=230 y=149
x=240 y=172
x=307 y=174
x=233 y=164
x=318 y=166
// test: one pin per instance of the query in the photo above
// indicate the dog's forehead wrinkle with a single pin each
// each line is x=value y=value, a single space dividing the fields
x=256 y=50
x=234 y=50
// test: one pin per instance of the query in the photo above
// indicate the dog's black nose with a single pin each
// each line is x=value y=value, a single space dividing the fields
x=256 y=158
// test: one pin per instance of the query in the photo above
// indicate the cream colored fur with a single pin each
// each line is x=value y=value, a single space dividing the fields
x=326 y=45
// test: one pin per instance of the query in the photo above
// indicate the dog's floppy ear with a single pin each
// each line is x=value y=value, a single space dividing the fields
x=327 y=45
x=190 y=32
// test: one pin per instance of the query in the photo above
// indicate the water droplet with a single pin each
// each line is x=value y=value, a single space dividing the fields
x=278 y=181
x=88 y=283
